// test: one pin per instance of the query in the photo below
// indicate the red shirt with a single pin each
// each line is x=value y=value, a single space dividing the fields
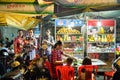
x=18 y=45
x=56 y=56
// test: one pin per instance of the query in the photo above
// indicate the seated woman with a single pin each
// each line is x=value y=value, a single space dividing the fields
x=86 y=61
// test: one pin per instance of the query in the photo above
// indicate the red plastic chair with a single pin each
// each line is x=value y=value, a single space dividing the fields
x=89 y=71
x=108 y=75
x=65 y=72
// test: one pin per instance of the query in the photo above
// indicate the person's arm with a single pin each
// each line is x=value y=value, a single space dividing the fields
x=48 y=42
x=59 y=62
x=34 y=44
x=66 y=55
x=15 y=46
x=51 y=42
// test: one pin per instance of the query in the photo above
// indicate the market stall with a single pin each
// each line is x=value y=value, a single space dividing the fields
x=101 y=35
x=69 y=31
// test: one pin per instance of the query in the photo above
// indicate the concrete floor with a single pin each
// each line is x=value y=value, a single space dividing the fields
x=100 y=77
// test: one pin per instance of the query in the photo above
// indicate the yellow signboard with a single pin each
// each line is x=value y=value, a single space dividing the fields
x=27 y=1
x=27 y=8
x=17 y=1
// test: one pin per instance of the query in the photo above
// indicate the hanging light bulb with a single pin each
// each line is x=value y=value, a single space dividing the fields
x=99 y=23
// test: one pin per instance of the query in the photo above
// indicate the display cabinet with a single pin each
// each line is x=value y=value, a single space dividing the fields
x=118 y=39
x=69 y=32
x=101 y=40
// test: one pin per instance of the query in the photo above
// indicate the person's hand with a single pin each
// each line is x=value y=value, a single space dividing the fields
x=64 y=61
x=45 y=41
x=31 y=44
x=58 y=62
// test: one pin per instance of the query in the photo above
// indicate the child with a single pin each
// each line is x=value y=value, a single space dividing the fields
x=69 y=61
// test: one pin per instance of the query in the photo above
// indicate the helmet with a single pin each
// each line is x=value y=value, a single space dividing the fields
x=15 y=64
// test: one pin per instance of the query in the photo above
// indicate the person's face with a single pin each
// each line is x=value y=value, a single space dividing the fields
x=59 y=47
x=47 y=33
x=20 y=33
x=30 y=33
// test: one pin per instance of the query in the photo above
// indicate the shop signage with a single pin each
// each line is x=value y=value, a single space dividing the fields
x=27 y=6
x=69 y=22
x=17 y=0
x=105 y=23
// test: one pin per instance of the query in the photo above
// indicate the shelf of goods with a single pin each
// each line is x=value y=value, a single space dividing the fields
x=101 y=39
x=72 y=40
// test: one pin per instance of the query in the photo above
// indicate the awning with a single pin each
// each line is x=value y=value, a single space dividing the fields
x=22 y=13
x=27 y=6
x=18 y=21
x=2 y=20
x=71 y=7
x=84 y=3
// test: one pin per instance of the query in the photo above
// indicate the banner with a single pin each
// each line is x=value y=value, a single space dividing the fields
x=69 y=22
x=27 y=6
x=41 y=2
x=17 y=1
x=82 y=3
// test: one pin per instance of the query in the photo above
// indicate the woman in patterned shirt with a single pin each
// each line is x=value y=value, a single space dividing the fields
x=56 y=58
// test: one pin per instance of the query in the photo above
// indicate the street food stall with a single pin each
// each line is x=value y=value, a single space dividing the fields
x=69 y=32
x=101 y=40
x=98 y=41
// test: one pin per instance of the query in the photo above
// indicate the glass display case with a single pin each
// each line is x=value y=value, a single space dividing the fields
x=69 y=32
x=101 y=40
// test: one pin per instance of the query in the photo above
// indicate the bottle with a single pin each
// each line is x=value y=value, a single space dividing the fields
x=102 y=31
x=102 y=40
x=105 y=38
